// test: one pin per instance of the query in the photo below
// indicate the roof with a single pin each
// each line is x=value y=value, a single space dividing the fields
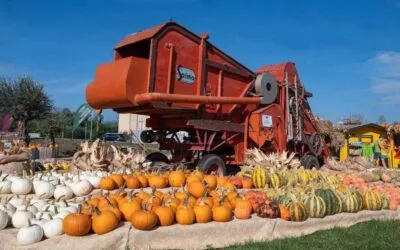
x=140 y=35
x=356 y=127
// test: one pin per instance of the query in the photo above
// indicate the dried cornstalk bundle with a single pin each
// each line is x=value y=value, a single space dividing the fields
x=255 y=157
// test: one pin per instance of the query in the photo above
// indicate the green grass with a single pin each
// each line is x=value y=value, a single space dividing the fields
x=367 y=235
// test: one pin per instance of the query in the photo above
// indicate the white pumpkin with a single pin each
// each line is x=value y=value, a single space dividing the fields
x=16 y=201
x=44 y=215
x=52 y=208
x=45 y=190
x=94 y=181
x=36 y=181
x=4 y=219
x=21 y=218
x=63 y=191
x=39 y=204
x=5 y=185
x=21 y=186
x=30 y=208
x=71 y=209
x=39 y=222
x=62 y=214
x=81 y=188
x=29 y=235
x=53 y=228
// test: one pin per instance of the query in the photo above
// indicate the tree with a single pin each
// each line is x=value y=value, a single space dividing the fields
x=381 y=120
x=25 y=100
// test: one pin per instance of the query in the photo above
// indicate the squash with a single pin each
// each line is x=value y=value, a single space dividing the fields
x=77 y=224
x=330 y=199
x=185 y=214
x=284 y=212
x=165 y=214
x=350 y=203
x=118 y=179
x=132 y=182
x=107 y=183
x=247 y=183
x=197 y=189
x=177 y=178
x=104 y=222
x=372 y=200
x=203 y=211
x=275 y=180
x=315 y=206
x=143 y=219
x=158 y=181
x=211 y=181
x=221 y=213
x=297 y=211
x=30 y=234
x=259 y=177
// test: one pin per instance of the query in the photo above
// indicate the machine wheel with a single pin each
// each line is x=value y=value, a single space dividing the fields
x=310 y=161
x=315 y=144
x=212 y=163
x=157 y=156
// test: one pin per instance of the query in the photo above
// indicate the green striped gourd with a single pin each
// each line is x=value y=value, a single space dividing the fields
x=385 y=202
x=339 y=205
x=372 y=200
x=331 y=200
x=297 y=211
x=358 y=198
x=350 y=203
x=315 y=206
x=275 y=180
x=259 y=177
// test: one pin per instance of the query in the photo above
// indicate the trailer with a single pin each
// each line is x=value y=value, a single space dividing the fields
x=185 y=83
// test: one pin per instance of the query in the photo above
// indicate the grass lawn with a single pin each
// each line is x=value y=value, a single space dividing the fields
x=366 y=235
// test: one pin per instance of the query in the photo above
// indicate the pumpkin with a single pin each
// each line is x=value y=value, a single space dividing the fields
x=243 y=202
x=113 y=208
x=104 y=222
x=242 y=213
x=107 y=183
x=259 y=177
x=197 y=189
x=105 y=202
x=30 y=234
x=132 y=182
x=143 y=181
x=165 y=215
x=315 y=206
x=192 y=178
x=221 y=180
x=93 y=201
x=247 y=183
x=185 y=214
x=53 y=228
x=77 y=224
x=298 y=211
x=284 y=212
x=203 y=212
x=21 y=218
x=143 y=219
x=129 y=206
x=197 y=172
x=372 y=200
x=118 y=179
x=157 y=181
x=21 y=186
x=221 y=213
x=177 y=178
x=268 y=209
x=211 y=181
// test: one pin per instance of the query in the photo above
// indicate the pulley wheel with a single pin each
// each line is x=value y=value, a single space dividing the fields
x=266 y=87
x=315 y=143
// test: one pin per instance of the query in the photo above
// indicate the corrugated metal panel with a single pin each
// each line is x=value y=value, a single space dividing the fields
x=139 y=36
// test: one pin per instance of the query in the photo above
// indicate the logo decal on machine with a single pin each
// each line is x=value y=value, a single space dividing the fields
x=185 y=75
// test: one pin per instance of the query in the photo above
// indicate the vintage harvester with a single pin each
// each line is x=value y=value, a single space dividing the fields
x=184 y=83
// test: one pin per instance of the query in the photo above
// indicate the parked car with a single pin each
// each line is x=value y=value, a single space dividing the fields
x=113 y=137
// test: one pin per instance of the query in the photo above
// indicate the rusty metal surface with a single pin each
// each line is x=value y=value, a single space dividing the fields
x=215 y=125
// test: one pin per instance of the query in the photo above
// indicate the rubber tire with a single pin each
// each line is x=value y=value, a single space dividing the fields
x=310 y=161
x=309 y=144
x=211 y=159
x=157 y=157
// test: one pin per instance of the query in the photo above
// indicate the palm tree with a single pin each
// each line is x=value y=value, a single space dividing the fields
x=25 y=100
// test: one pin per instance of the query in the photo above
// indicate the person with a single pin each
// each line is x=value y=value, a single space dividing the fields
x=378 y=152
x=384 y=145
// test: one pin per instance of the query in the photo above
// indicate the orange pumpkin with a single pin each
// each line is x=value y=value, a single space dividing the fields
x=242 y=213
x=143 y=219
x=158 y=181
x=185 y=214
x=77 y=224
x=143 y=181
x=105 y=202
x=211 y=181
x=243 y=202
x=132 y=182
x=166 y=215
x=118 y=179
x=203 y=212
x=177 y=178
x=129 y=206
x=104 y=222
x=247 y=183
x=197 y=189
x=221 y=180
x=107 y=183
x=221 y=213
x=192 y=178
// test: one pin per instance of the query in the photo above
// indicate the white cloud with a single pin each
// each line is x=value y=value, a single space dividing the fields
x=385 y=76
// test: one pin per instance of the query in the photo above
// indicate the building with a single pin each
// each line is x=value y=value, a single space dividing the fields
x=131 y=122
x=361 y=136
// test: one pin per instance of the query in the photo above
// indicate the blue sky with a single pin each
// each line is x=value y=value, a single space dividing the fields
x=347 y=52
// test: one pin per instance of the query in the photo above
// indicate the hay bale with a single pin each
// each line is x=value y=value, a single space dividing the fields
x=334 y=138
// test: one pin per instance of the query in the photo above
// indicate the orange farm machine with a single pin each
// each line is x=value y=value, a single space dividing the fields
x=184 y=83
